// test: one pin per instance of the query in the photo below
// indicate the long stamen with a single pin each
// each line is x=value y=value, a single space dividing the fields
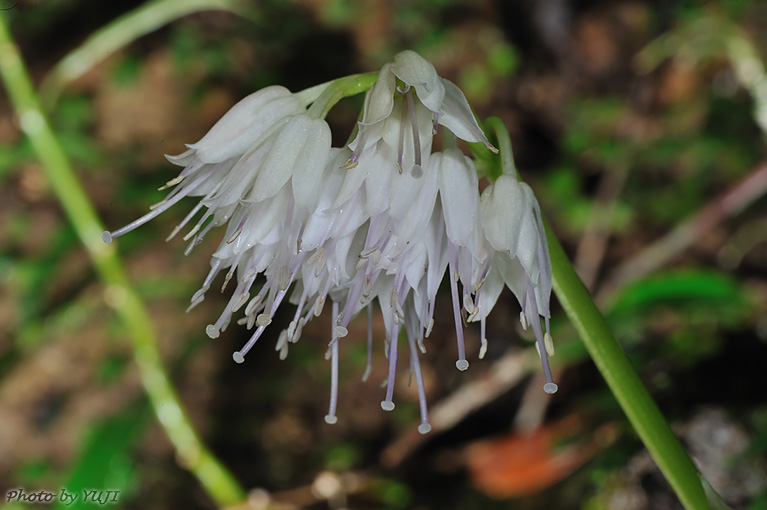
x=354 y=159
x=535 y=321
x=417 y=169
x=188 y=217
x=483 y=338
x=388 y=404
x=198 y=238
x=108 y=236
x=401 y=146
x=461 y=364
x=331 y=417
x=369 y=365
x=424 y=427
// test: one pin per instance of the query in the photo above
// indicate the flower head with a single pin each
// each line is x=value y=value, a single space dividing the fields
x=313 y=223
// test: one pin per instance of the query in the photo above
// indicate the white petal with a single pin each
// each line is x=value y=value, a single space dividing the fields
x=456 y=115
x=265 y=217
x=527 y=246
x=416 y=264
x=459 y=195
x=418 y=72
x=182 y=159
x=512 y=273
x=279 y=163
x=411 y=201
x=491 y=289
x=245 y=123
x=318 y=223
x=379 y=174
x=353 y=178
x=308 y=170
x=380 y=98
x=239 y=180
x=436 y=248
x=502 y=207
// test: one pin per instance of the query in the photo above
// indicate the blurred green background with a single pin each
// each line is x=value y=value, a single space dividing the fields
x=641 y=125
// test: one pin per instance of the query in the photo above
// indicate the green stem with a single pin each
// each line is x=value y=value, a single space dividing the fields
x=508 y=166
x=607 y=354
x=623 y=381
x=334 y=91
x=216 y=480
x=121 y=32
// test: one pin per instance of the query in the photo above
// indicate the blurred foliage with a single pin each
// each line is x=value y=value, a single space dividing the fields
x=582 y=108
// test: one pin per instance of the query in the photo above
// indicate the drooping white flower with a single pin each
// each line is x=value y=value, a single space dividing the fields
x=221 y=165
x=513 y=226
x=312 y=223
x=407 y=121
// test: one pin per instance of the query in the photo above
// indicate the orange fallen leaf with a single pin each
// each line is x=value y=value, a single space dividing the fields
x=524 y=464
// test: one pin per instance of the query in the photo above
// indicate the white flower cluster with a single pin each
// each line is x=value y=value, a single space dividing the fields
x=382 y=219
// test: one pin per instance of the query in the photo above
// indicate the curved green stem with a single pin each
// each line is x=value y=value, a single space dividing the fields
x=607 y=354
x=119 y=33
x=508 y=166
x=216 y=480
x=328 y=94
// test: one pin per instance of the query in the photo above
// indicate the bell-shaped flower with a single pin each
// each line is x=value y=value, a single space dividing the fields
x=513 y=226
x=221 y=164
x=407 y=120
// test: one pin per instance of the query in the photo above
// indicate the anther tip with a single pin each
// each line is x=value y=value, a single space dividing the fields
x=212 y=331
x=424 y=428
x=461 y=364
x=550 y=388
x=106 y=236
x=331 y=420
x=416 y=171
x=238 y=357
x=387 y=405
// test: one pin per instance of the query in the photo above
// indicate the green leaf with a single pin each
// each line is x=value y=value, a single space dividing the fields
x=104 y=462
x=679 y=286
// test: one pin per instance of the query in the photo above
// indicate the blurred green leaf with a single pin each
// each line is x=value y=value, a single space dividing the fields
x=685 y=285
x=392 y=492
x=342 y=457
x=503 y=59
x=105 y=459
x=128 y=70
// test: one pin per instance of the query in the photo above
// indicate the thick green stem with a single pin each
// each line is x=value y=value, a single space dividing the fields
x=607 y=354
x=623 y=381
x=216 y=480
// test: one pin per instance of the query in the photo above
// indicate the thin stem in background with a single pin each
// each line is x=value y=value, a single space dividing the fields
x=214 y=477
x=730 y=203
x=592 y=246
x=121 y=32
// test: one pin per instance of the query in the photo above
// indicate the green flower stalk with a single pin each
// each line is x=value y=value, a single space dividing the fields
x=214 y=477
x=607 y=354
